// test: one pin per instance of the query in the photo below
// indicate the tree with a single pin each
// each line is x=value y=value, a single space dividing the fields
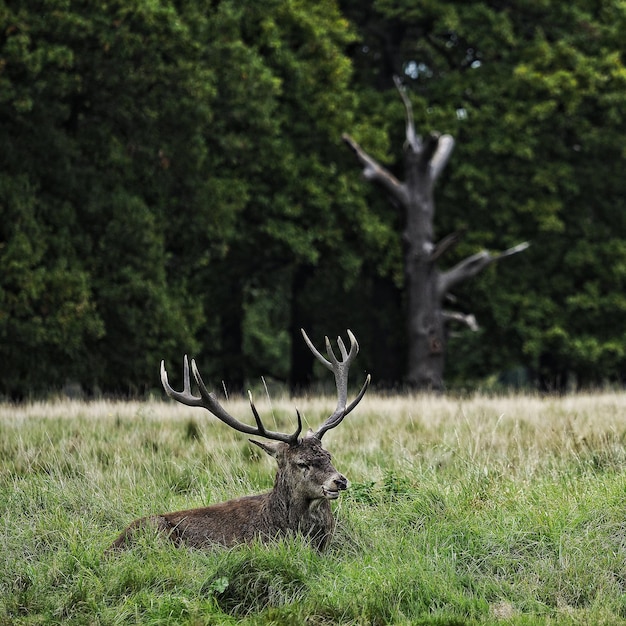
x=174 y=167
x=101 y=116
x=426 y=286
x=46 y=304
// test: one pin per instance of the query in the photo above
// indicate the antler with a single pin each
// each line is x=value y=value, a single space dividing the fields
x=340 y=369
x=208 y=401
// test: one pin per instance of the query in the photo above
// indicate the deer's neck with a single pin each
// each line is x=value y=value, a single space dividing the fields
x=292 y=512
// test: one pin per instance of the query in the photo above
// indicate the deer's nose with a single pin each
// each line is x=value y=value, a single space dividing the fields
x=341 y=482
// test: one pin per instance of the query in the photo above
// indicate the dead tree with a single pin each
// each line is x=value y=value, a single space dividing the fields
x=425 y=285
x=306 y=481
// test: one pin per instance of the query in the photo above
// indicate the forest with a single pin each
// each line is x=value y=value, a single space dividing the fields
x=173 y=180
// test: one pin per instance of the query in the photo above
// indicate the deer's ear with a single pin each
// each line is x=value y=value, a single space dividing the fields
x=272 y=448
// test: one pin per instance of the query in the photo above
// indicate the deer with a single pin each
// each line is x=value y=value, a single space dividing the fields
x=305 y=483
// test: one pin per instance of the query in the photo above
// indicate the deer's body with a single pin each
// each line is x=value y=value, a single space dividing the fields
x=305 y=483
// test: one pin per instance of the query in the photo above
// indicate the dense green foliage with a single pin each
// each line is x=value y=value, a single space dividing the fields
x=534 y=93
x=172 y=180
x=502 y=510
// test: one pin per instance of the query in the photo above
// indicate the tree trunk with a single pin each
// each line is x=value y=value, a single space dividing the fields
x=231 y=324
x=425 y=328
x=387 y=350
x=301 y=371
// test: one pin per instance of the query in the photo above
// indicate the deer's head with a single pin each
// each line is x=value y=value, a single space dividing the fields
x=303 y=465
x=305 y=468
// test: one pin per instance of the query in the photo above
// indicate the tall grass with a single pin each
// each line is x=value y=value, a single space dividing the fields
x=460 y=510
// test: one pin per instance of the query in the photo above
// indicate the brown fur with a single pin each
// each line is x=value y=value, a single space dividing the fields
x=305 y=483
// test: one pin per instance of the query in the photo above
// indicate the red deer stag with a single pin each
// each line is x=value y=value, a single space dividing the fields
x=305 y=482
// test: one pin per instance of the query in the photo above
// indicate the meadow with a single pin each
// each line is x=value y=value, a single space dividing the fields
x=460 y=510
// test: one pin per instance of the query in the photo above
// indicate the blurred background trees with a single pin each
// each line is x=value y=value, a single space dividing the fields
x=173 y=180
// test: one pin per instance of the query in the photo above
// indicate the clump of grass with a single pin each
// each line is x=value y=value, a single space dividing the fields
x=256 y=579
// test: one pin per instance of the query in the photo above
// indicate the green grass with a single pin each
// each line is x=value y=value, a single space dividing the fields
x=503 y=510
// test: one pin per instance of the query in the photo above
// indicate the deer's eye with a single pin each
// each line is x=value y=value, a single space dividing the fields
x=303 y=465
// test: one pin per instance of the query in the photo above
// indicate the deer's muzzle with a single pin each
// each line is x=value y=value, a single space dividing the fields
x=333 y=486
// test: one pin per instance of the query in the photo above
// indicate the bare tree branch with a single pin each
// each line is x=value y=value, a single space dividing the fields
x=454 y=316
x=471 y=266
x=412 y=139
x=429 y=149
x=441 y=156
x=445 y=244
x=441 y=146
x=467 y=268
x=374 y=172
x=520 y=247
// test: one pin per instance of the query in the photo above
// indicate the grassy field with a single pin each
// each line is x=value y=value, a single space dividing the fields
x=503 y=510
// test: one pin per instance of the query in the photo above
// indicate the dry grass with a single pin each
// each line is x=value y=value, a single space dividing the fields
x=509 y=433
